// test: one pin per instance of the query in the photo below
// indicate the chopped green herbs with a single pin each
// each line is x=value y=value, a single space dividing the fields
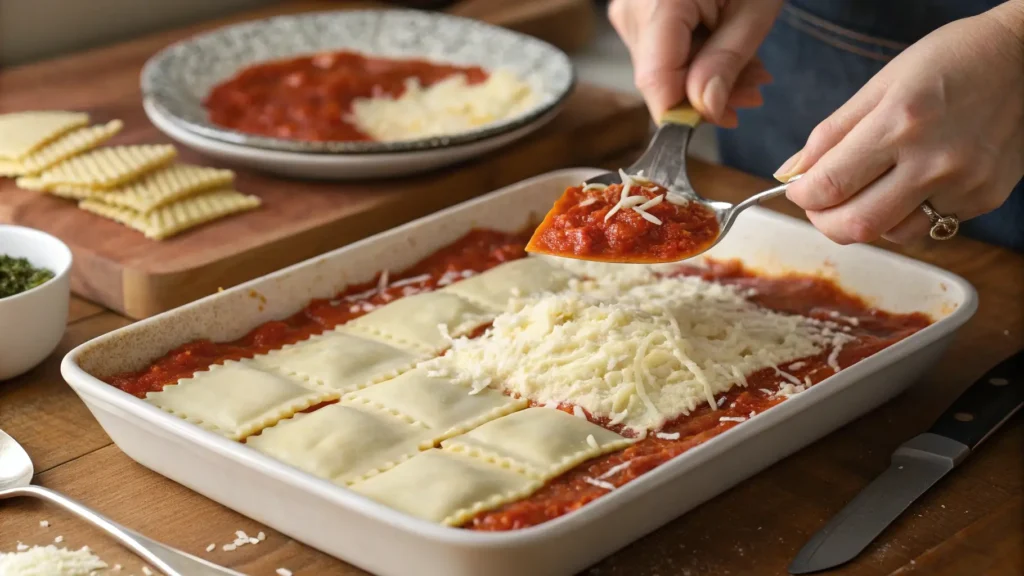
x=17 y=276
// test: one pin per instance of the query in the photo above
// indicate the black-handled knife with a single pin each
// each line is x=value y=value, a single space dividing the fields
x=917 y=465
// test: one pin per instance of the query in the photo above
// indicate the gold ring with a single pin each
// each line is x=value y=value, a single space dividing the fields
x=943 y=227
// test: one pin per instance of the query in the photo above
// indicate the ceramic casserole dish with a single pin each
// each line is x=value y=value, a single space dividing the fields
x=357 y=530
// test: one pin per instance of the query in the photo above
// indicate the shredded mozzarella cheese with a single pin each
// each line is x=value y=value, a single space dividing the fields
x=638 y=355
x=450 y=106
x=48 y=560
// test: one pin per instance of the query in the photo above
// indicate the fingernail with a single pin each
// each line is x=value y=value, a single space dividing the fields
x=715 y=96
x=785 y=172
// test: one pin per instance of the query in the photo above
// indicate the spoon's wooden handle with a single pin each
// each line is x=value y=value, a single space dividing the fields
x=683 y=114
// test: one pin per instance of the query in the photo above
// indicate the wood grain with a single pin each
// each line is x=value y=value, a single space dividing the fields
x=125 y=272
x=970 y=520
x=42 y=412
x=158 y=508
x=988 y=547
x=79 y=309
x=568 y=24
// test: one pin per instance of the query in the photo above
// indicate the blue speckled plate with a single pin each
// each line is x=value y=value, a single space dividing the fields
x=176 y=80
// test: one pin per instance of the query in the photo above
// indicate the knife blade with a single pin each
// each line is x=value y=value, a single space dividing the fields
x=916 y=466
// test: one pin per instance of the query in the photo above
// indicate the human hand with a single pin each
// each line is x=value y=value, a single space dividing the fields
x=696 y=50
x=942 y=122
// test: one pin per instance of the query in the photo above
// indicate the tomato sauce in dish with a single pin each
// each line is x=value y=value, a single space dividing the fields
x=476 y=252
x=309 y=98
x=648 y=229
x=872 y=329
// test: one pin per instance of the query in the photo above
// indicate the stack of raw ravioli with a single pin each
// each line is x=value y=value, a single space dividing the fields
x=138 y=186
x=413 y=441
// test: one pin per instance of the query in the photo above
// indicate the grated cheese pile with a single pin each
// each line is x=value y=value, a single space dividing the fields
x=447 y=107
x=639 y=354
x=50 y=561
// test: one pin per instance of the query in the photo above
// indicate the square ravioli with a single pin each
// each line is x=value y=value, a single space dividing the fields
x=341 y=443
x=446 y=488
x=445 y=407
x=236 y=399
x=543 y=441
x=339 y=361
x=414 y=321
x=495 y=287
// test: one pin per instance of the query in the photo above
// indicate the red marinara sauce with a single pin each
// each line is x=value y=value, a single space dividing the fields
x=309 y=98
x=657 y=230
x=479 y=250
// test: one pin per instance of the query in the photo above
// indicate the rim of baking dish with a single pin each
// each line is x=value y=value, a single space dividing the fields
x=171 y=84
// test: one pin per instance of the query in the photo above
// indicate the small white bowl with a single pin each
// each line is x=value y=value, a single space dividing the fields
x=33 y=322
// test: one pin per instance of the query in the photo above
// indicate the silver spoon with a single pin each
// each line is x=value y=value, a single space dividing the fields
x=16 y=480
x=664 y=163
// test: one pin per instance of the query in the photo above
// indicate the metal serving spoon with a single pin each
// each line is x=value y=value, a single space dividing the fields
x=16 y=480
x=664 y=163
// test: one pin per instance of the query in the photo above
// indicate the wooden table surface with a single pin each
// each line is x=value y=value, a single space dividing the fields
x=970 y=523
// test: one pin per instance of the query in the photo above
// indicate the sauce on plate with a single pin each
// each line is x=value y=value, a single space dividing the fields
x=309 y=98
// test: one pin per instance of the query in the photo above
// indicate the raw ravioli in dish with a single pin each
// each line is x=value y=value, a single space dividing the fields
x=342 y=443
x=236 y=399
x=339 y=361
x=445 y=407
x=494 y=288
x=543 y=441
x=446 y=487
x=414 y=322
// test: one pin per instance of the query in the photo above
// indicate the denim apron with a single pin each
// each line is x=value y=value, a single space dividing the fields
x=820 y=53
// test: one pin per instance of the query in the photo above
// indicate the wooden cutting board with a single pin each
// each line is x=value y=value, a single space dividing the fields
x=120 y=269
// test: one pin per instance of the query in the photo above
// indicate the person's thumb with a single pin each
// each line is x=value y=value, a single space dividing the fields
x=715 y=68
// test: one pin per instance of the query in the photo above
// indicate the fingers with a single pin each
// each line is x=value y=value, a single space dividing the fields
x=849 y=167
x=624 y=21
x=832 y=130
x=709 y=11
x=663 y=36
x=716 y=68
x=872 y=212
x=658 y=36
x=911 y=229
x=747 y=92
x=890 y=207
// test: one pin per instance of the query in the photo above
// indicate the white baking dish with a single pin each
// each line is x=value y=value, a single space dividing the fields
x=357 y=530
